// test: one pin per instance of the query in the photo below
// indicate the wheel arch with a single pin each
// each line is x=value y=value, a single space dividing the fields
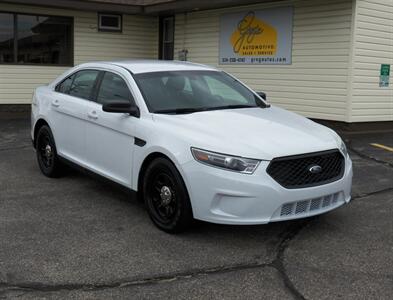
x=157 y=152
x=40 y=122
x=146 y=162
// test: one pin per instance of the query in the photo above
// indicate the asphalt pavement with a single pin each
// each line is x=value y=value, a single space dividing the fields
x=78 y=237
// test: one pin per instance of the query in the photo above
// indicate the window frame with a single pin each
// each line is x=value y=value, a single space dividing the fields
x=15 y=24
x=109 y=29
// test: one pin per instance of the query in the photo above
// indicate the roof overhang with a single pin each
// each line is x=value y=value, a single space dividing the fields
x=83 y=5
x=147 y=7
x=179 y=6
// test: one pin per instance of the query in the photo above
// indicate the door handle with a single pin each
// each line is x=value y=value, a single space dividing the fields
x=55 y=103
x=92 y=114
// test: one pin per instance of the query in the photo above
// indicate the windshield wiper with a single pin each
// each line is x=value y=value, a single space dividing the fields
x=231 y=106
x=180 y=110
x=192 y=110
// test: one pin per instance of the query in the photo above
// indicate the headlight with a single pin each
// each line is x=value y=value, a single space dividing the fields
x=224 y=161
x=343 y=149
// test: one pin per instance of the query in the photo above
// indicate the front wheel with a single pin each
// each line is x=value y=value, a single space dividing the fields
x=166 y=197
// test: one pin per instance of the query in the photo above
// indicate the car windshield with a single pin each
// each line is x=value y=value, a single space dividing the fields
x=192 y=91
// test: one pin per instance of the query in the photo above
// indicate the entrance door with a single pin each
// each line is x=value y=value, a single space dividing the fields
x=167 y=37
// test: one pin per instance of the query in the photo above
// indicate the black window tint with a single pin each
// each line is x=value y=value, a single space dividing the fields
x=113 y=88
x=64 y=87
x=83 y=84
x=44 y=40
x=6 y=38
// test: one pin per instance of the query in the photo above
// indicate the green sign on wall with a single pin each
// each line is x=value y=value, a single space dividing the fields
x=384 y=75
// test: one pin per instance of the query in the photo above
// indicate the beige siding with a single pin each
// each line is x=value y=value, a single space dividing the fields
x=372 y=46
x=315 y=85
x=138 y=40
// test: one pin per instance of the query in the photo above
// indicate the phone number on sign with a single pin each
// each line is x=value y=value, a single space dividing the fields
x=255 y=60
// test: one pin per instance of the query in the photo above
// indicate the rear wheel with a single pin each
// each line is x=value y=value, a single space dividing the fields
x=47 y=158
x=166 y=197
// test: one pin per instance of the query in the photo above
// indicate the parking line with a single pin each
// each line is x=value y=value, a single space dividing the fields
x=382 y=147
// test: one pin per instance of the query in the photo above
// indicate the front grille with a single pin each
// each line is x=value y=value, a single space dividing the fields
x=309 y=206
x=294 y=171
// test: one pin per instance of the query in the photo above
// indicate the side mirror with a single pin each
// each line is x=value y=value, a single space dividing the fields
x=263 y=96
x=121 y=107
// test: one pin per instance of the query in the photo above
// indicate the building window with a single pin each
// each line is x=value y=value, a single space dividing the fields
x=107 y=22
x=6 y=38
x=36 y=39
x=167 y=37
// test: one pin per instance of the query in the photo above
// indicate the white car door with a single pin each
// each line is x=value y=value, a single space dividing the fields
x=110 y=136
x=68 y=113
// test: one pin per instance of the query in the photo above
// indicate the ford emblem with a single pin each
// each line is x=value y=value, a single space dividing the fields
x=315 y=169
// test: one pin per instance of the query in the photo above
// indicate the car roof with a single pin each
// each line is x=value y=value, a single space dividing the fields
x=146 y=66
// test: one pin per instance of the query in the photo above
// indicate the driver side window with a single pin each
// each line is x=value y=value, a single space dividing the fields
x=113 y=88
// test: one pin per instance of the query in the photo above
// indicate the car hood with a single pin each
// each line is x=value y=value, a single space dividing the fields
x=250 y=132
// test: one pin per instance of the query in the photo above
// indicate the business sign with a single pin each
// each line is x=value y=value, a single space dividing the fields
x=257 y=37
x=384 y=75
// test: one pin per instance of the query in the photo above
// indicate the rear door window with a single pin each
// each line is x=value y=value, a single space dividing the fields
x=64 y=86
x=83 y=84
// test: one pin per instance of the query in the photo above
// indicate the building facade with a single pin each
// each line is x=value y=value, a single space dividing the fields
x=337 y=66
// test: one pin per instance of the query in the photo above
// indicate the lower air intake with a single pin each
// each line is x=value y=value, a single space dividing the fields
x=306 y=206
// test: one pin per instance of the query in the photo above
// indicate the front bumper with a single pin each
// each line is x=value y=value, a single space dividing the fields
x=225 y=197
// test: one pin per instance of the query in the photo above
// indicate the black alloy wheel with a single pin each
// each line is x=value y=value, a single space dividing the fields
x=47 y=158
x=166 y=197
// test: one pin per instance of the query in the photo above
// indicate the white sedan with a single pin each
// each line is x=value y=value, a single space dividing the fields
x=193 y=141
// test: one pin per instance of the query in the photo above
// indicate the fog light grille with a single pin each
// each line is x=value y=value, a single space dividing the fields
x=315 y=204
x=301 y=206
x=305 y=206
x=326 y=201
x=286 y=209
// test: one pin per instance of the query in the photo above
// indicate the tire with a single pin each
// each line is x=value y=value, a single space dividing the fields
x=46 y=152
x=166 y=197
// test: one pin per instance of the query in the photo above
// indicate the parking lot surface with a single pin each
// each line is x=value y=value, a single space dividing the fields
x=78 y=237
